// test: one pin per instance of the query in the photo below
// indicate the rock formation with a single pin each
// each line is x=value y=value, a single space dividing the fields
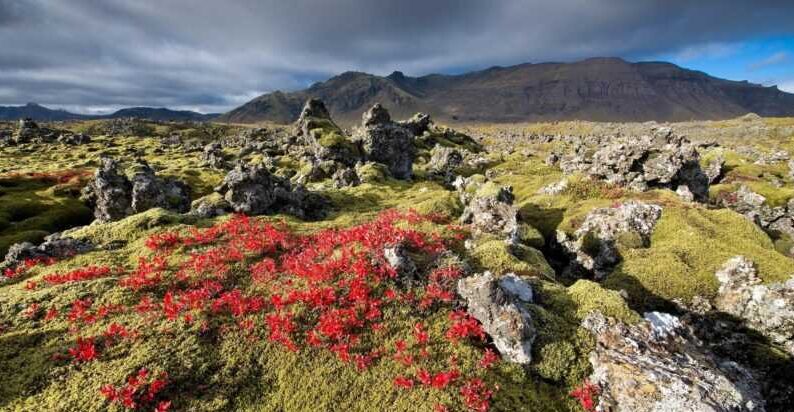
x=499 y=305
x=658 y=366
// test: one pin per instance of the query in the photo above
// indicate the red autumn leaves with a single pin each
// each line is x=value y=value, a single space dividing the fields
x=141 y=389
x=325 y=291
x=586 y=394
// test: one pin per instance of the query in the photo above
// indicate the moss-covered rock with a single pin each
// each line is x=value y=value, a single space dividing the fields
x=500 y=258
x=687 y=246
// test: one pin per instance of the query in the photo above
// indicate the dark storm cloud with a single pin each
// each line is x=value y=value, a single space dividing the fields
x=213 y=55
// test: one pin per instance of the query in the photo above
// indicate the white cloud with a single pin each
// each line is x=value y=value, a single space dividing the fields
x=706 y=51
x=772 y=60
x=787 y=86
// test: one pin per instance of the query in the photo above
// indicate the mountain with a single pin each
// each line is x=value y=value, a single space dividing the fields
x=598 y=89
x=41 y=113
x=36 y=112
x=161 y=114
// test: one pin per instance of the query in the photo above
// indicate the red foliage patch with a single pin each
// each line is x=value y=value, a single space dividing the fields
x=323 y=291
x=78 y=275
x=586 y=394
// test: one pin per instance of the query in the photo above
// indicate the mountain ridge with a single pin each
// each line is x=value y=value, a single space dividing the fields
x=596 y=89
x=41 y=113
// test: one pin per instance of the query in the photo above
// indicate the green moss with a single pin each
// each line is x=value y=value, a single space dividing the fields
x=497 y=256
x=328 y=135
x=447 y=137
x=590 y=296
x=130 y=228
x=372 y=172
x=530 y=236
x=687 y=246
x=31 y=210
x=561 y=347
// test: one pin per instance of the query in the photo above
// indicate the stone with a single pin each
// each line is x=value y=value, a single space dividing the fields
x=552 y=159
x=768 y=309
x=346 y=177
x=54 y=246
x=773 y=220
x=398 y=258
x=253 y=190
x=248 y=189
x=662 y=160
x=213 y=156
x=494 y=214
x=114 y=197
x=500 y=306
x=111 y=192
x=593 y=246
x=714 y=170
x=313 y=108
x=74 y=139
x=327 y=142
x=150 y=191
x=443 y=163
x=685 y=194
x=386 y=142
x=658 y=366
x=555 y=188
x=210 y=206
x=418 y=124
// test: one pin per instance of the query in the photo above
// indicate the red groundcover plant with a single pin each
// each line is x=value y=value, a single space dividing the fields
x=323 y=291
x=587 y=394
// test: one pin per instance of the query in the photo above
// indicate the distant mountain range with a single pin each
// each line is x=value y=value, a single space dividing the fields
x=598 y=89
x=40 y=113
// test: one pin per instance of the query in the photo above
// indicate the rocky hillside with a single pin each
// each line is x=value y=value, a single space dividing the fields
x=600 y=89
x=546 y=267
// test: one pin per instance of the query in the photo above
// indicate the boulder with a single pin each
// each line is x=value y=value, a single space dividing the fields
x=753 y=206
x=54 y=246
x=327 y=141
x=659 y=366
x=714 y=170
x=150 y=191
x=555 y=188
x=418 y=124
x=74 y=139
x=209 y=206
x=248 y=189
x=493 y=213
x=386 y=142
x=443 y=163
x=115 y=197
x=768 y=309
x=213 y=156
x=346 y=177
x=253 y=190
x=110 y=192
x=398 y=258
x=662 y=160
x=593 y=246
x=500 y=306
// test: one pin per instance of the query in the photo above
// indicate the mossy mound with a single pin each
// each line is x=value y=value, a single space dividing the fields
x=213 y=362
x=446 y=137
x=30 y=210
x=688 y=245
x=498 y=257
x=329 y=136
x=590 y=296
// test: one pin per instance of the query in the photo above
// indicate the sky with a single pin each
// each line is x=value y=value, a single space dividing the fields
x=95 y=56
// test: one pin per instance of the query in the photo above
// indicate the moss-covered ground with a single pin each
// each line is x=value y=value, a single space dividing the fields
x=222 y=364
